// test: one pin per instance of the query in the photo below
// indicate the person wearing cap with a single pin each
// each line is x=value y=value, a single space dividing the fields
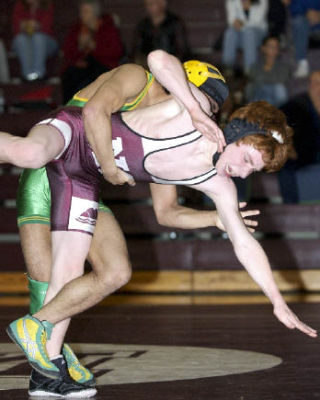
x=130 y=87
x=158 y=144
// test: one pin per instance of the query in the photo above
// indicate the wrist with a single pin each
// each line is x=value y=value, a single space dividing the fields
x=214 y=218
x=109 y=168
x=193 y=108
x=277 y=300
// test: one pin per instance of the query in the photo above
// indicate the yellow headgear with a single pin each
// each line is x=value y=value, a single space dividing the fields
x=198 y=72
x=208 y=78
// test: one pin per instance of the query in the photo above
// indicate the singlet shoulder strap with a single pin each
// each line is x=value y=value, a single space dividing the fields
x=133 y=104
x=196 y=180
x=77 y=101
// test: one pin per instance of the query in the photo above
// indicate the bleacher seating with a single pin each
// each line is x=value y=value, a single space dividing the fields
x=175 y=266
x=170 y=266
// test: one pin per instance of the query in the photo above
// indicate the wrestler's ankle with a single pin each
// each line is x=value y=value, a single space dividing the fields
x=42 y=317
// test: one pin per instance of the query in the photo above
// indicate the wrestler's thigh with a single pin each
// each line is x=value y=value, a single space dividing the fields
x=108 y=247
x=36 y=248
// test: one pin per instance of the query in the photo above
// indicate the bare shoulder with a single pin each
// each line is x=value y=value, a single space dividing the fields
x=130 y=71
x=218 y=187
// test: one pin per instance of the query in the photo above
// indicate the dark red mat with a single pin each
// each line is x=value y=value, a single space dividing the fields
x=245 y=328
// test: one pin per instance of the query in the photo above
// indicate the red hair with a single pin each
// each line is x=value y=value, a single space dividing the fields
x=269 y=118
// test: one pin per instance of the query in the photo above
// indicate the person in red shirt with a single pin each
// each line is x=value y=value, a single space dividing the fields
x=92 y=47
x=33 y=36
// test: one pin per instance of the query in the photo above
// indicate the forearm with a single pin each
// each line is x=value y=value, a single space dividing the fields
x=187 y=218
x=254 y=259
x=98 y=131
x=169 y=72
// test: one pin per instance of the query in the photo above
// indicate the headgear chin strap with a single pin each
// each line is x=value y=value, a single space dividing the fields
x=239 y=128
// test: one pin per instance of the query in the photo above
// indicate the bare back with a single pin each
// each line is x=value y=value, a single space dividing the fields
x=154 y=94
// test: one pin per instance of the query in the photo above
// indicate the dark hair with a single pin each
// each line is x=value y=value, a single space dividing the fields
x=42 y=3
x=96 y=5
x=270 y=37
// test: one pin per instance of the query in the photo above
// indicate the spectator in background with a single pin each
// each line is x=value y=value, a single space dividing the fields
x=4 y=68
x=92 y=47
x=305 y=16
x=247 y=25
x=303 y=114
x=277 y=19
x=269 y=76
x=160 y=29
x=33 y=36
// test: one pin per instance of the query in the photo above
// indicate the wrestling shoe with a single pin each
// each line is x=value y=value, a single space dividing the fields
x=31 y=336
x=77 y=371
x=63 y=387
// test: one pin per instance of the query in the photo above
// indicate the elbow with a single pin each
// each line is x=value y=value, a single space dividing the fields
x=89 y=112
x=163 y=218
x=157 y=59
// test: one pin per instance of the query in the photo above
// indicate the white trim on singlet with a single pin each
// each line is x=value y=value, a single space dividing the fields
x=63 y=127
x=190 y=182
x=151 y=146
x=154 y=145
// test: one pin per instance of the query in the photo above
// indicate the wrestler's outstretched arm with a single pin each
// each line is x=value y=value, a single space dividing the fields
x=169 y=72
x=170 y=213
x=249 y=252
x=252 y=256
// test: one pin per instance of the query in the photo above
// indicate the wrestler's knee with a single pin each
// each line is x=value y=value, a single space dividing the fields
x=122 y=275
x=112 y=276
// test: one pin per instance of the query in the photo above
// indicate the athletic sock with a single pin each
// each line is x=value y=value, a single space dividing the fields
x=56 y=357
x=38 y=291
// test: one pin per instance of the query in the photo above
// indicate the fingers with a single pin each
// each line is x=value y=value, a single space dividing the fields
x=291 y=321
x=221 y=137
x=249 y=213
x=212 y=132
x=250 y=222
x=302 y=326
x=242 y=204
x=131 y=182
x=120 y=178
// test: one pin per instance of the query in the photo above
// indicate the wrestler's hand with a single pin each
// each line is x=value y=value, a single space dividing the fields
x=208 y=128
x=245 y=214
x=118 y=177
x=250 y=223
x=291 y=321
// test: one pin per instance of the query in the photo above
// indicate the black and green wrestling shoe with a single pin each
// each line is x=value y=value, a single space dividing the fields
x=62 y=387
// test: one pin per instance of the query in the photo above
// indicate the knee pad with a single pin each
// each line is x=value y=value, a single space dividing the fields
x=38 y=291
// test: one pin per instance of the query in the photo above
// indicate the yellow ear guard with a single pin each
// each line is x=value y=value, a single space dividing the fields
x=208 y=78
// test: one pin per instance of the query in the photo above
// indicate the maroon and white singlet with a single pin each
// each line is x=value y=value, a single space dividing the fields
x=74 y=175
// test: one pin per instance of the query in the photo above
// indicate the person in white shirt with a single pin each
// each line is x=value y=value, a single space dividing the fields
x=247 y=25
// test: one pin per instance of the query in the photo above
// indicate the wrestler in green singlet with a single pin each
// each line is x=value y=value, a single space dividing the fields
x=34 y=197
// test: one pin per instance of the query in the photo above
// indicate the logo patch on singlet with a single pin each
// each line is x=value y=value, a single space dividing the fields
x=83 y=215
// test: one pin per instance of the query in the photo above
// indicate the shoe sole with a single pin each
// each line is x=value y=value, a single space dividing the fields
x=75 y=395
x=48 y=374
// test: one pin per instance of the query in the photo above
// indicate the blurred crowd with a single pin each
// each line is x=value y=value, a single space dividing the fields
x=265 y=32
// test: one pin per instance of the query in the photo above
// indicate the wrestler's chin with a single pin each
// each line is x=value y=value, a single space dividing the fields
x=222 y=170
